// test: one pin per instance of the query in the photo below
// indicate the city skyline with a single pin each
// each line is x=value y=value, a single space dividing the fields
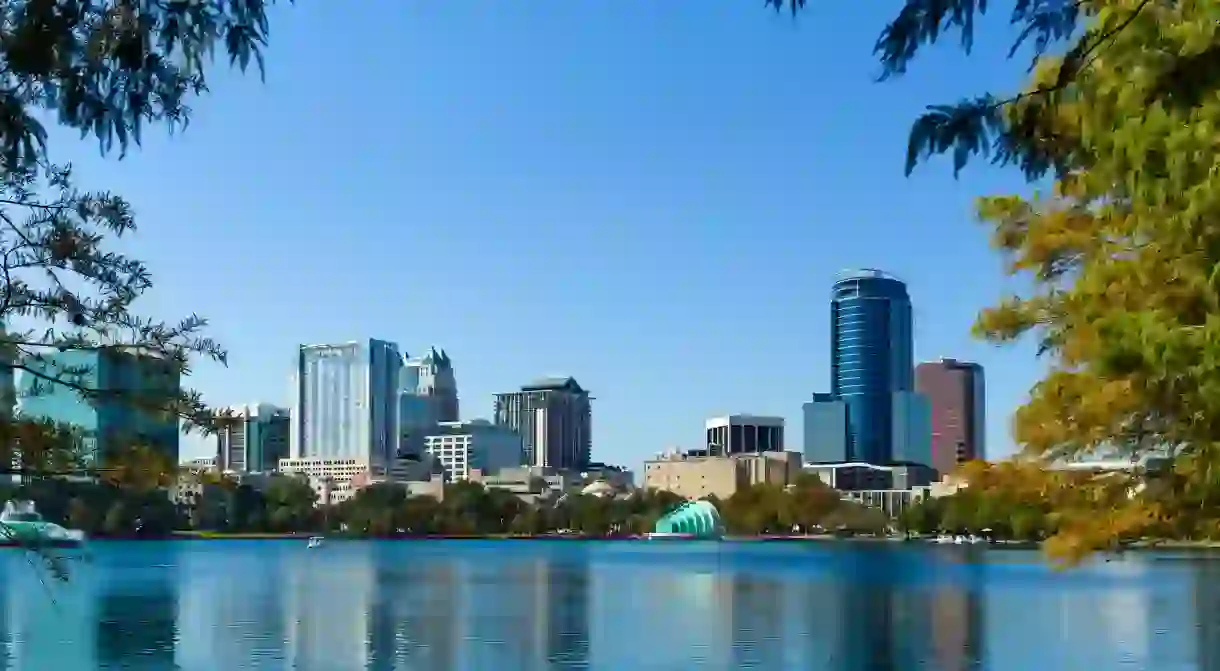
x=614 y=227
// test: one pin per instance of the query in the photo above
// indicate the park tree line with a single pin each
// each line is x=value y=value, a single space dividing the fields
x=1074 y=512
x=141 y=508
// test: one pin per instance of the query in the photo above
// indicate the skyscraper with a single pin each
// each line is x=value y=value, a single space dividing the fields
x=871 y=357
x=554 y=419
x=345 y=401
x=432 y=376
x=957 y=393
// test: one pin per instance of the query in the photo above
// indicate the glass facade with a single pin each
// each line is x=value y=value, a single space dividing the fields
x=872 y=356
x=825 y=430
x=115 y=421
x=346 y=401
x=912 y=426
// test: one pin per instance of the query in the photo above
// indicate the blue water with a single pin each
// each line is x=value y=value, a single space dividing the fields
x=528 y=606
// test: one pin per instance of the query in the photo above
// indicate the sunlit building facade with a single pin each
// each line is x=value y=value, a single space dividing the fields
x=346 y=402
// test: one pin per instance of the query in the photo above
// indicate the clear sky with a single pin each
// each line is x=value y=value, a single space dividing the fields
x=653 y=196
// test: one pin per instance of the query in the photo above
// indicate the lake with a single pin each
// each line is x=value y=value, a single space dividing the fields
x=527 y=606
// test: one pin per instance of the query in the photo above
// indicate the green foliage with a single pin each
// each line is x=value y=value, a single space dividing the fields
x=1175 y=43
x=1122 y=253
x=107 y=68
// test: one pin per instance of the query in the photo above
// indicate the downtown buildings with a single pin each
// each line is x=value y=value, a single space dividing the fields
x=364 y=411
x=882 y=411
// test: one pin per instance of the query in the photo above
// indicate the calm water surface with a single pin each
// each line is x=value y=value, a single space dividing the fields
x=522 y=606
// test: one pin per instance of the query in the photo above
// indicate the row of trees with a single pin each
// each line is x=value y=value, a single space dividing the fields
x=287 y=505
x=1076 y=512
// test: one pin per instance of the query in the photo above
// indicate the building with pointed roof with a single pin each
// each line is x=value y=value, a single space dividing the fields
x=432 y=376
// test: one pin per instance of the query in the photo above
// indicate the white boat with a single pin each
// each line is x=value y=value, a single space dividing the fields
x=22 y=525
x=669 y=536
x=315 y=542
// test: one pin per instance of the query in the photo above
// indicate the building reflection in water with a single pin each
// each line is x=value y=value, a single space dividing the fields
x=137 y=622
x=230 y=608
x=390 y=607
x=528 y=615
x=116 y=616
x=415 y=616
x=327 y=600
x=756 y=611
x=1206 y=579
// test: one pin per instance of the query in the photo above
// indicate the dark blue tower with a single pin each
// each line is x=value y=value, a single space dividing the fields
x=872 y=356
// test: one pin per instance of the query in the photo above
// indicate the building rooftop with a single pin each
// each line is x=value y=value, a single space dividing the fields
x=864 y=274
x=554 y=384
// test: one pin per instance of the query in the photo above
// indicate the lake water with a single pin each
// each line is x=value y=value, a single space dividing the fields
x=528 y=606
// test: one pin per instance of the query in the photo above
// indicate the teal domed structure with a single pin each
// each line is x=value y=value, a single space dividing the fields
x=692 y=519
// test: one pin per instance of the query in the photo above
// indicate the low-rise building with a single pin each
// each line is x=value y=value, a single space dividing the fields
x=199 y=465
x=743 y=434
x=475 y=444
x=616 y=476
x=337 y=480
x=857 y=476
x=697 y=476
x=890 y=501
x=529 y=483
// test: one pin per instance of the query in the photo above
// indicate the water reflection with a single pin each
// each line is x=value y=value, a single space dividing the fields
x=524 y=606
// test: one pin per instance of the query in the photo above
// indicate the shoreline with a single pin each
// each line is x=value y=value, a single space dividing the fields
x=812 y=538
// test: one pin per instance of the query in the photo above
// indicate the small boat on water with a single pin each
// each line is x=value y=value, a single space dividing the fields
x=664 y=536
x=22 y=526
x=315 y=542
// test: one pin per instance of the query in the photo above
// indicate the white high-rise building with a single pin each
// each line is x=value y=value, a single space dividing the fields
x=345 y=402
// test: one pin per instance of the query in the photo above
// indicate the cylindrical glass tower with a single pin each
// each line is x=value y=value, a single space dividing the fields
x=872 y=356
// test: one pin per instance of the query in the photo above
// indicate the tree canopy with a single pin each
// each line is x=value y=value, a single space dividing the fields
x=1122 y=250
x=107 y=68
x=1068 y=40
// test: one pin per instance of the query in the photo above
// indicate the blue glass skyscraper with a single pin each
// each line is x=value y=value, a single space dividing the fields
x=872 y=356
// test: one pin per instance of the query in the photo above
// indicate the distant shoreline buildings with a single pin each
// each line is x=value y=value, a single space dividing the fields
x=365 y=412
x=882 y=435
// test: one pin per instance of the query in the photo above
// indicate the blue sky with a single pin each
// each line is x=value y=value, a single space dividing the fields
x=652 y=196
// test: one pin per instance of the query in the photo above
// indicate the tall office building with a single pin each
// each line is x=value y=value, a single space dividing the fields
x=346 y=402
x=252 y=438
x=871 y=358
x=957 y=393
x=133 y=408
x=825 y=435
x=553 y=416
x=431 y=376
